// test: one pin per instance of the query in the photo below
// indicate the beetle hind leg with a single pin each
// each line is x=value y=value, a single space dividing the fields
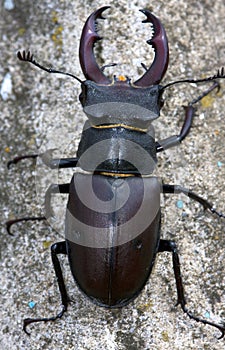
x=170 y=246
x=56 y=249
x=28 y=321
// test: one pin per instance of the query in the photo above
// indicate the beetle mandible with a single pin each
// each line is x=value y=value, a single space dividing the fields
x=112 y=225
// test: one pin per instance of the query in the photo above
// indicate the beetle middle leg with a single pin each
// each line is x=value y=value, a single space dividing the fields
x=56 y=249
x=54 y=188
x=52 y=163
x=170 y=246
x=179 y=189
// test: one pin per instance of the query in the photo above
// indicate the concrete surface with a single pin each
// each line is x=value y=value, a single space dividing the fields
x=40 y=111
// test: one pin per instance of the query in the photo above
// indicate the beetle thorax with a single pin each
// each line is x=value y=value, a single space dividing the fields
x=120 y=103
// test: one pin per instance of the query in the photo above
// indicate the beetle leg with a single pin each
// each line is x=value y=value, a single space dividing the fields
x=26 y=218
x=54 y=189
x=189 y=116
x=45 y=156
x=192 y=195
x=18 y=159
x=176 y=139
x=57 y=163
x=61 y=188
x=206 y=92
x=47 y=159
x=170 y=246
x=56 y=249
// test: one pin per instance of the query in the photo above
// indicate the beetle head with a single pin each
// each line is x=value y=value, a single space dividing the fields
x=110 y=101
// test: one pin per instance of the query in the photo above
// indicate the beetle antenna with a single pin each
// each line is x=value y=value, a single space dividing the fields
x=28 y=57
x=220 y=75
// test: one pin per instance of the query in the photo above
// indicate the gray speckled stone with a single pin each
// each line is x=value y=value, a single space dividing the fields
x=42 y=111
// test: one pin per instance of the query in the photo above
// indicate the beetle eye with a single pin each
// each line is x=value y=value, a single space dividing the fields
x=161 y=103
x=160 y=100
x=83 y=94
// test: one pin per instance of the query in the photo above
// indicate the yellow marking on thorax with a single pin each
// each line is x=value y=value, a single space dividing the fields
x=110 y=126
x=105 y=173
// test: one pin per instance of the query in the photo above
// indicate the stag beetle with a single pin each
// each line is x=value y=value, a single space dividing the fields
x=112 y=225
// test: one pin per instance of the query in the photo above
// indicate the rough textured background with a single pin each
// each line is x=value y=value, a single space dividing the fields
x=42 y=111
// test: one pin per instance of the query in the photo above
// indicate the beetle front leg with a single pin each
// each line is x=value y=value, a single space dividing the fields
x=170 y=246
x=57 y=163
x=56 y=249
x=48 y=160
x=189 y=116
x=175 y=140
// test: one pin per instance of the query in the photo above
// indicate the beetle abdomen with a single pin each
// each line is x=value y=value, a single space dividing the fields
x=112 y=235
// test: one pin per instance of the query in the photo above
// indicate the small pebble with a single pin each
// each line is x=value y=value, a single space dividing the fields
x=9 y=5
x=31 y=304
x=219 y=164
x=207 y=314
x=179 y=204
x=6 y=87
x=46 y=244
x=7 y=149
